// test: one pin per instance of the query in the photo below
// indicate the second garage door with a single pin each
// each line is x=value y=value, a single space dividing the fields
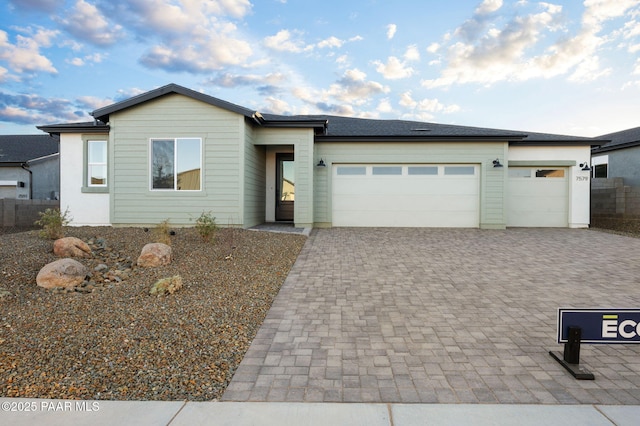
x=411 y=195
x=538 y=197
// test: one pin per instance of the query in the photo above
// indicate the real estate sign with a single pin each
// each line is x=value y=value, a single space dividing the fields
x=600 y=325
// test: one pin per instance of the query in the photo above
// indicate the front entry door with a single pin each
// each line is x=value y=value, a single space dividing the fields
x=285 y=187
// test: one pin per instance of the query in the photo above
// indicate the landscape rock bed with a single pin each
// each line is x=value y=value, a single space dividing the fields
x=109 y=339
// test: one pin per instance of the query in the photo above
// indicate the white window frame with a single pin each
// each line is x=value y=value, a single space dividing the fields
x=175 y=163
x=104 y=164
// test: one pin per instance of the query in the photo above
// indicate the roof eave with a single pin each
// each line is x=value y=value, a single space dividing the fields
x=601 y=149
x=56 y=129
x=421 y=138
x=102 y=114
x=590 y=143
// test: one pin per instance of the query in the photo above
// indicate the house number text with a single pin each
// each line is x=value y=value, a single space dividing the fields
x=582 y=178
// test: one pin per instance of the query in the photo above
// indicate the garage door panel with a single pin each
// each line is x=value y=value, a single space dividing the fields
x=406 y=200
x=537 y=201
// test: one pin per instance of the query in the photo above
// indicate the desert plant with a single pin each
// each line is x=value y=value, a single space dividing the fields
x=53 y=222
x=166 y=286
x=162 y=232
x=206 y=225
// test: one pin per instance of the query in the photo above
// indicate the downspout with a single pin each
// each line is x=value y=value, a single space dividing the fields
x=25 y=166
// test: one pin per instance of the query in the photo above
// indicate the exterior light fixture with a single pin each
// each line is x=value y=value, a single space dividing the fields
x=585 y=166
x=321 y=163
x=496 y=163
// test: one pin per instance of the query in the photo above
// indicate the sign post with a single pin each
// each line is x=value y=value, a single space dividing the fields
x=596 y=326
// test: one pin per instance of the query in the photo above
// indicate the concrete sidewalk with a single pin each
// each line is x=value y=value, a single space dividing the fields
x=98 y=413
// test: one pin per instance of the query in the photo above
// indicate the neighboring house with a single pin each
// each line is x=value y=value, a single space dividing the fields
x=619 y=158
x=29 y=167
x=173 y=153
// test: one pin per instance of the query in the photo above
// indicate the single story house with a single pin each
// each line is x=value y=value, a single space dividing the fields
x=29 y=167
x=619 y=158
x=174 y=153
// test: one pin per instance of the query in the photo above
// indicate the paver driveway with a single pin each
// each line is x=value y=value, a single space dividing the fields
x=443 y=315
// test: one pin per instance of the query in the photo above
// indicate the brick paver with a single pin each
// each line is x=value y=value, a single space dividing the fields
x=443 y=316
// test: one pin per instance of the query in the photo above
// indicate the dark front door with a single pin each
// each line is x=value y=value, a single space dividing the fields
x=285 y=187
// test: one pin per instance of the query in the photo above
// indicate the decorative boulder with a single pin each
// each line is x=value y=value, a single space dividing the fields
x=66 y=273
x=71 y=247
x=154 y=254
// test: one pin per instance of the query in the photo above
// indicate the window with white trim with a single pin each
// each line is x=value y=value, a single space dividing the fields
x=176 y=164
x=96 y=163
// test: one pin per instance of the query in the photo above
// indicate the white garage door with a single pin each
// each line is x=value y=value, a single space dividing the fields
x=538 y=197
x=412 y=195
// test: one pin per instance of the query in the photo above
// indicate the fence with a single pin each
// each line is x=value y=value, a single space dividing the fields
x=615 y=205
x=22 y=213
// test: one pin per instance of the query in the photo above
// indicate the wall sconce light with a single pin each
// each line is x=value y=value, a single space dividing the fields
x=321 y=163
x=585 y=166
x=496 y=163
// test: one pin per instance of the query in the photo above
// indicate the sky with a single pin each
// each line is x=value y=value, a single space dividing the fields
x=565 y=67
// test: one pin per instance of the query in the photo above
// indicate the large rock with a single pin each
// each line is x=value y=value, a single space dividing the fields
x=66 y=273
x=154 y=254
x=71 y=247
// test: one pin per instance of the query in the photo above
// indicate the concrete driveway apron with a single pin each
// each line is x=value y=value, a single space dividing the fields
x=443 y=316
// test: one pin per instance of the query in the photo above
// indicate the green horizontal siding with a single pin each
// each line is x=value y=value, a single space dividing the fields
x=173 y=116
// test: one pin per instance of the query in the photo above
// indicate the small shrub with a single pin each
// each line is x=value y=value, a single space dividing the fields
x=53 y=222
x=166 y=286
x=206 y=226
x=162 y=232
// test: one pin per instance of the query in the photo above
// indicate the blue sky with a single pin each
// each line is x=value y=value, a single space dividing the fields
x=567 y=67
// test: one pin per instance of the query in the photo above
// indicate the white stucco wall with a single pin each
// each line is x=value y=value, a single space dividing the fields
x=85 y=208
x=579 y=180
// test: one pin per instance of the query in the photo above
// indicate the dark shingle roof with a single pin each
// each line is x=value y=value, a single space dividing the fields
x=332 y=128
x=102 y=114
x=619 y=140
x=18 y=149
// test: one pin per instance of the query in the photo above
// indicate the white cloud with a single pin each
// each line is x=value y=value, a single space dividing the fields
x=412 y=53
x=92 y=103
x=352 y=89
x=488 y=6
x=276 y=106
x=331 y=42
x=426 y=107
x=509 y=52
x=4 y=75
x=25 y=55
x=391 y=30
x=87 y=23
x=384 y=106
x=433 y=48
x=394 y=69
x=285 y=41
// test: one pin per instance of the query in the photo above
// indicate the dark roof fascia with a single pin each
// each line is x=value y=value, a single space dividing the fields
x=577 y=142
x=13 y=164
x=601 y=149
x=422 y=138
x=57 y=129
x=102 y=114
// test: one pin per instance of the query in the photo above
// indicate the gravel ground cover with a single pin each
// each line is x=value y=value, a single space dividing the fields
x=111 y=339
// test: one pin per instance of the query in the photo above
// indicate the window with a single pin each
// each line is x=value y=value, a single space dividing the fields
x=423 y=170
x=387 y=170
x=176 y=164
x=96 y=163
x=554 y=173
x=600 y=171
x=352 y=170
x=459 y=170
x=519 y=173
